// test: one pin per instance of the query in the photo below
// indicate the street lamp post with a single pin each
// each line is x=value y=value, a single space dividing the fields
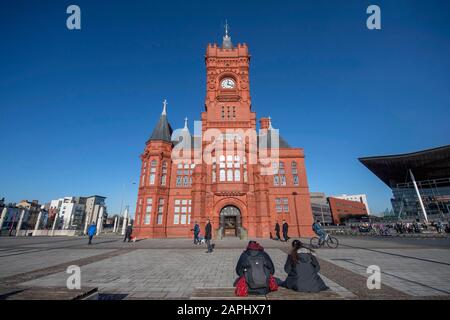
x=122 y=196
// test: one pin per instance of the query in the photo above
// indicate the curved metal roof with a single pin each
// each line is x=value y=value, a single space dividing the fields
x=426 y=165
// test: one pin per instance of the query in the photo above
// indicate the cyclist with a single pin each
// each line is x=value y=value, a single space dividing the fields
x=317 y=228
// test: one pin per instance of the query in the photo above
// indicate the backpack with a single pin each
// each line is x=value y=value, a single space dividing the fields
x=256 y=274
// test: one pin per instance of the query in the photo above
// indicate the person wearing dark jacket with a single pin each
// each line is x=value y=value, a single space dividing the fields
x=285 y=231
x=302 y=268
x=208 y=236
x=196 y=232
x=256 y=266
x=128 y=232
x=277 y=231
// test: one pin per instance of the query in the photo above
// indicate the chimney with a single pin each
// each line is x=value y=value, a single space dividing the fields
x=264 y=123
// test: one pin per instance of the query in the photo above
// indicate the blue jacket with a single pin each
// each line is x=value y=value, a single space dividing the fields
x=317 y=228
x=92 y=230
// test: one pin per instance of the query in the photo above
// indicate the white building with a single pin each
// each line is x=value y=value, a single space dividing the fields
x=76 y=212
x=71 y=213
x=355 y=197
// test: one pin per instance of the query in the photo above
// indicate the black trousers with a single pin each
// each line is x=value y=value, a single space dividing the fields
x=90 y=239
x=285 y=236
x=208 y=243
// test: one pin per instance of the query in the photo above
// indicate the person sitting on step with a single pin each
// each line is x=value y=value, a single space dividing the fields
x=303 y=269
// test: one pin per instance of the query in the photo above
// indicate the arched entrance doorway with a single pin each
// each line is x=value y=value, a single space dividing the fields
x=230 y=221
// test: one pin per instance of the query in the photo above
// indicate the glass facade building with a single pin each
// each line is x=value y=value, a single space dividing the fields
x=429 y=169
x=435 y=196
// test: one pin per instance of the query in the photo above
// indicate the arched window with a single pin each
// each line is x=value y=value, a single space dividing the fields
x=152 y=172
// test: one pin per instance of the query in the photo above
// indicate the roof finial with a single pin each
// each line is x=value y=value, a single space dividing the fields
x=226 y=28
x=226 y=44
x=270 y=123
x=164 y=112
x=185 y=123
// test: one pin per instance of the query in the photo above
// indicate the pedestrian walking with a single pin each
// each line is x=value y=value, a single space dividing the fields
x=128 y=232
x=208 y=236
x=285 y=231
x=91 y=232
x=196 y=232
x=277 y=231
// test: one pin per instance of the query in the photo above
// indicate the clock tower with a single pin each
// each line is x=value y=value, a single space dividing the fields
x=228 y=103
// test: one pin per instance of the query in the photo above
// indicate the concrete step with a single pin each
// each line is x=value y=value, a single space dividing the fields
x=281 y=294
x=47 y=293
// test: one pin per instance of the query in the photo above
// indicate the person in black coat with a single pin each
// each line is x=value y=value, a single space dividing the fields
x=277 y=231
x=243 y=267
x=128 y=232
x=302 y=268
x=285 y=231
x=208 y=236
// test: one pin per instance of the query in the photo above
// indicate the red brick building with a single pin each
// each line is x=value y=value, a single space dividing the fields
x=217 y=172
x=342 y=209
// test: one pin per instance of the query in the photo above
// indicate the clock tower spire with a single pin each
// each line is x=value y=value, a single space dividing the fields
x=226 y=43
x=228 y=102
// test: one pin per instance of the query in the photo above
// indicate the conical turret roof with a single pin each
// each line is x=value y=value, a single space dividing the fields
x=163 y=130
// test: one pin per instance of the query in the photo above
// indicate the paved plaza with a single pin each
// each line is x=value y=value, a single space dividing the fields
x=175 y=268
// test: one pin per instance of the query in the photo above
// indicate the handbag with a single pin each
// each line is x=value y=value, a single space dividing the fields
x=273 y=285
x=241 y=287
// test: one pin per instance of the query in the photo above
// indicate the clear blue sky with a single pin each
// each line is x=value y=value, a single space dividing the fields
x=76 y=107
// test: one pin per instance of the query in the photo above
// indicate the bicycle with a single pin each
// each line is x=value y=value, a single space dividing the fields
x=331 y=242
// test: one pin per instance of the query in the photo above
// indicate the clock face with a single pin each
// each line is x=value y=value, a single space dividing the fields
x=227 y=84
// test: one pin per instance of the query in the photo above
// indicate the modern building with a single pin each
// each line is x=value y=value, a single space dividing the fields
x=321 y=208
x=420 y=182
x=240 y=179
x=12 y=216
x=77 y=212
x=72 y=213
x=343 y=210
x=355 y=197
x=95 y=205
x=32 y=209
